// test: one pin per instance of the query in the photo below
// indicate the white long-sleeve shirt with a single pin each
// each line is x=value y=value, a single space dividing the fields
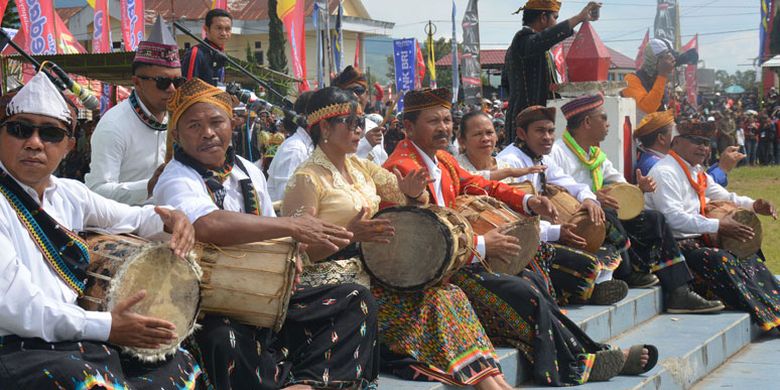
x=34 y=301
x=183 y=188
x=677 y=200
x=291 y=153
x=125 y=154
x=569 y=163
x=375 y=153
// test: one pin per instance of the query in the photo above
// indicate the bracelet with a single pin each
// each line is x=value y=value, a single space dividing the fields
x=418 y=196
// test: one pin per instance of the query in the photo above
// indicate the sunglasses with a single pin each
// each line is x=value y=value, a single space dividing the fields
x=353 y=122
x=47 y=133
x=358 y=90
x=162 y=83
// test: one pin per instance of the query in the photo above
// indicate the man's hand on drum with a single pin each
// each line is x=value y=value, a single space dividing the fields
x=594 y=210
x=731 y=228
x=370 y=230
x=313 y=231
x=500 y=245
x=134 y=330
x=606 y=200
x=645 y=183
x=765 y=207
x=543 y=207
x=414 y=183
x=180 y=228
x=570 y=239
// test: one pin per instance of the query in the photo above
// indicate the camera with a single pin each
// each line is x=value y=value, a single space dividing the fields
x=689 y=57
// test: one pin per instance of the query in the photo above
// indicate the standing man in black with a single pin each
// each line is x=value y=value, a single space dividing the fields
x=529 y=70
x=208 y=62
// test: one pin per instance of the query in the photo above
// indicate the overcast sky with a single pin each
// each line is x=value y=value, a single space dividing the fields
x=622 y=25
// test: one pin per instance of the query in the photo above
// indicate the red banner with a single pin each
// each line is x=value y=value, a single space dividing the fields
x=101 y=36
x=420 y=66
x=291 y=14
x=691 y=83
x=221 y=4
x=132 y=22
x=560 y=62
x=640 y=56
x=3 y=5
x=66 y=42
x=37 y=24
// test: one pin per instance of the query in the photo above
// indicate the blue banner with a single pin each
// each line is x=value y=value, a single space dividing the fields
x=405 y=64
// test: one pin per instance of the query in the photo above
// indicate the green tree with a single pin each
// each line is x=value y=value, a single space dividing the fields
x=250 y=55
x=11 y=16
x=277 y=60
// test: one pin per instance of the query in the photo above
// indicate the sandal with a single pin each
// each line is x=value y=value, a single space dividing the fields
x=633 y=365
x=606 y=365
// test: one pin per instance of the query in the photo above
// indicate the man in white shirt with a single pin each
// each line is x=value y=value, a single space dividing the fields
x=46 y=339
x=129 y=141
x=291 y=153
x=684 y=190
x=652 y=245
x=226 y=199
x=592 y=281
x=371 y=146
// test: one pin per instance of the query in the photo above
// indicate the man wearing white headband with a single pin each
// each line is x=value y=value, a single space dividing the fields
x=50 y=340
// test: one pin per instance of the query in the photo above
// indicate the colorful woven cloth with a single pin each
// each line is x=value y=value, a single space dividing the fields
x=582 y=104
x=194 y=91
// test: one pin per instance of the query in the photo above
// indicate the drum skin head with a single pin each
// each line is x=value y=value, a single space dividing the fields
x=416 y=257
x=744 y=249
x=630 y=198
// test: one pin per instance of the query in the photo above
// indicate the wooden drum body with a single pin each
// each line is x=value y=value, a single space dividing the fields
x=486 y=213
x=430 y=244
x=724 y=209
x=120 y=266
x=630 y=199
x=249 y=283
x=569 y=212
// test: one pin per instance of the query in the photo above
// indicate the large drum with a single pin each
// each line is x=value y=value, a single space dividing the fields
x=249 y=283
x=486 y=213
x=120 y=266
x=569 y=212
x=525 y=186
x=722 y=210
x=430 y=244
x=630 y=199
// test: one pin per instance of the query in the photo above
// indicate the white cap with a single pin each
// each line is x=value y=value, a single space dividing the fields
x=41 y=97
x=711 y=119
x=660 y=45
x=376 y=118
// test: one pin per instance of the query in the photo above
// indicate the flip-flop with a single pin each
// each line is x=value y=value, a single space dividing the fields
x=607 y=365
x=633 y=364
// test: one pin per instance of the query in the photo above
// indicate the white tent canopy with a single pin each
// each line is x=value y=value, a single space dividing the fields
x=773 y=62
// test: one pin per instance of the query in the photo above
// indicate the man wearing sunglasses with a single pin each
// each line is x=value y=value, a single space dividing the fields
x=647 y=246
x=371 y=146
x=684 y=192
x=47 y=336
x=129 y=141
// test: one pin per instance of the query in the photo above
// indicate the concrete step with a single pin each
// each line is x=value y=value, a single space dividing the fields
x=690 y=347
x=600 y=322
x=757 y=366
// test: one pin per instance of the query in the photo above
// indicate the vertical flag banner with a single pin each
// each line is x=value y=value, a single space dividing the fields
x=132 y=12
x=101 y=35
x=37 y=24
x=640 y=56
x=3 y=6
x=338 y=46
x=66 y=42
x=455 y=59
x=356 y=63
x=107 y=90
x=405 y=61
x=431 y=52
x=666 y=22
x=291 y=14
x=221 y=4
x=560 y=62
x=316 y=15
x=420 y=66
x=767 y=7
x=691 y=83
x=472 y=71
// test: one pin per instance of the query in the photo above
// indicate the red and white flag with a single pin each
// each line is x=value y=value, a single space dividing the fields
x=560 y=62
x=640 y=56
x=132 y=12
x=691 y=83
x=291 y=14
x=101 y=36
x=38 y=26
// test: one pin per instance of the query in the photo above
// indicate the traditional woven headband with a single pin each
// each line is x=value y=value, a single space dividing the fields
x=327 y=112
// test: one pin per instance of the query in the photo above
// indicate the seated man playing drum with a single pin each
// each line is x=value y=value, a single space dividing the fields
x=652 y=246
x=508 y=306
x=328 y=338
x=683 y=193
x=576 y=275
x=46 y=340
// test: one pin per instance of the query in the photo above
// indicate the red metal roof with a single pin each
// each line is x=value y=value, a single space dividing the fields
x=68 y=12
x=197 y=9
x=496 y=57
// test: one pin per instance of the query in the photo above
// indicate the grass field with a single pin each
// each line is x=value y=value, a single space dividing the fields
x=762 y=182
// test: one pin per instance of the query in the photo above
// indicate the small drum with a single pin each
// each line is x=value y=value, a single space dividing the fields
x=430 y=244
x=569 y=212
x=120 y=266
x=629 y=197
x=486 y=213
x=723 y=209
x=249 y=283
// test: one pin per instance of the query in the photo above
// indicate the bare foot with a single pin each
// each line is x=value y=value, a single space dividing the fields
x=645 y=356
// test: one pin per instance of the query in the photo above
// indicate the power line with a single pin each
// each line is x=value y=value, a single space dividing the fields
x=691 y=35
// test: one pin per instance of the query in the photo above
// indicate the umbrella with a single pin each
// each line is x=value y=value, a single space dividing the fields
x=735 y=89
